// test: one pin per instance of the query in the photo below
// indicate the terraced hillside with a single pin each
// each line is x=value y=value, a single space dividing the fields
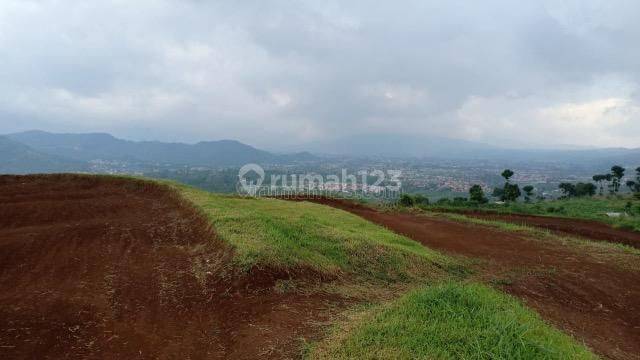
x=103 y=267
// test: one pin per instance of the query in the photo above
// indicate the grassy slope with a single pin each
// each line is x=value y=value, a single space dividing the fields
x=450 y=321
x=584 y=208
x=280 y=234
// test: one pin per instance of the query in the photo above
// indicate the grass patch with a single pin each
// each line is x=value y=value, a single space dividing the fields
x=595 y=208
x=287 y=235
x=621 y=255
x=449 y=321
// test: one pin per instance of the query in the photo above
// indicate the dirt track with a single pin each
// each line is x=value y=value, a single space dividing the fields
x=95 y=268
x=585 y=228
x=597 y=302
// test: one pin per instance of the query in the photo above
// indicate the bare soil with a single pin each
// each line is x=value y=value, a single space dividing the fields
x=598 y=303
x=106 y=268
x=585 y=228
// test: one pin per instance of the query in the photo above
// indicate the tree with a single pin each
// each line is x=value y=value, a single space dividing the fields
x=608 y=178
x=528 y=193
x=585 y=189
x=406 y=200
x=617 y=172
x=511 y=192
x=420 y=199
x=507 y=174
x=498 y=192
x=459 y=200
x=568 y=189
x=634 y=186
x=600 y=178
x=476 y=194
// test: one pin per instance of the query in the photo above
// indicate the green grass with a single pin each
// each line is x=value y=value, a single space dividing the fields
x=271 y=233
x=449 y=321
x=581 y=208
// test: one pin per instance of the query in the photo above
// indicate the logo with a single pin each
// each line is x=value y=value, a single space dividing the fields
x=362 y=184
x=251 y=186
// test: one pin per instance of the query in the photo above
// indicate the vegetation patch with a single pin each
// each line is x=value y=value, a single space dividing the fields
x=449 y=321
x=620 y=255
x=271 y=233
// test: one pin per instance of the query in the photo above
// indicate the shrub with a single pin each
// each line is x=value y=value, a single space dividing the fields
x=420 y=199
x=460 y=200
x=476 y=194
x=406 y=200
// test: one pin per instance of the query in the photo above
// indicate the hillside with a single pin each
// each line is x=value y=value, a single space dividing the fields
x=86 y=147
x=17 y=158
x=104 y=267
x=433 y=147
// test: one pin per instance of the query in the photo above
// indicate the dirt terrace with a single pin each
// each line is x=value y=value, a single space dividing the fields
x=598 y=303
x=590 y=229
x=94 y=267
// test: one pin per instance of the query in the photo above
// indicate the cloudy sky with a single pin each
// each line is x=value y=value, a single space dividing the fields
x=281 y=73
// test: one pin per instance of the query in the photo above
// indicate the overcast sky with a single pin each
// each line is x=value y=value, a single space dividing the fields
x=280 y=73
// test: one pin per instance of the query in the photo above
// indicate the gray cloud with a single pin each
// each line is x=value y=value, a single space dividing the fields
x=275 y=73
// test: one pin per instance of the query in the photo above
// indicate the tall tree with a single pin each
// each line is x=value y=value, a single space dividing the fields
x=617 y=172
x=599 y=179
x=609 y=178
x=507 y=174
x=476 y=194
x=568 y=189
x=510 y=192
x=585 y=189
x=528 y=192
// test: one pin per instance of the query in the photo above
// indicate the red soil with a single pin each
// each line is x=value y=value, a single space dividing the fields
x=584 y=228
x=95 y=267
x=598 y=303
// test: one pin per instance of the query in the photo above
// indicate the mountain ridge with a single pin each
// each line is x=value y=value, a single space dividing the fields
x=103 y=146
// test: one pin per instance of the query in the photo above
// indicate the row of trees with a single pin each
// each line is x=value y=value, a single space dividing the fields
x=634 y=185
x=511 y=191
x=614 y=179
x=577 y=190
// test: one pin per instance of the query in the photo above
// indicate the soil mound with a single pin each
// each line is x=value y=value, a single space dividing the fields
x=104 y=267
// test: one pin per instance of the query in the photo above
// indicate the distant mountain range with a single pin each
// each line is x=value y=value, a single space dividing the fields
x=99 y=146
x=403 y=146
x=17 y=158
x=39 y=151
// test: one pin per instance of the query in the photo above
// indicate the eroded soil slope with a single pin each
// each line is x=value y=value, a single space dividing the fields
x=94 y=267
